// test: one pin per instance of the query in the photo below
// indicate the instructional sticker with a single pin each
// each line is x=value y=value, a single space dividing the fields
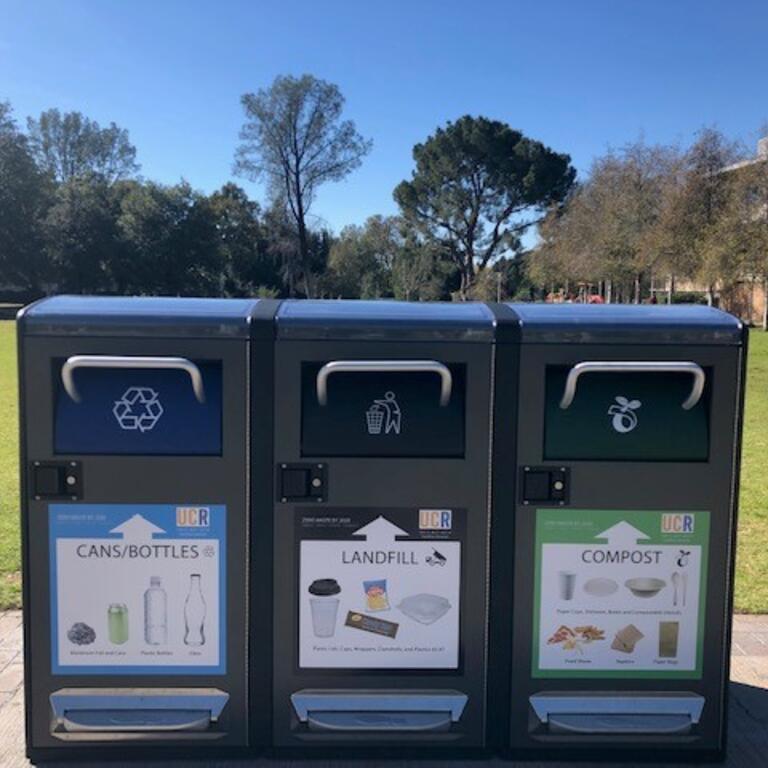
x=378 y=589
x=137 y=589
x=619 y=593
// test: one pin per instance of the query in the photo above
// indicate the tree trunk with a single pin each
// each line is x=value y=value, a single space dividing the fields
x=765 y=303
x=467 y=280
x=670 y=288
x=638 y=278
x=608 y=291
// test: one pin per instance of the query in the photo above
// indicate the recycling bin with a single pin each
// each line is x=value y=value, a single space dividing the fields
x=138 y=421
x=615 y=485
x=381 y=449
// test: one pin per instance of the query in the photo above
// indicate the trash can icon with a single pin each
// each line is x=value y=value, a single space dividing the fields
x=374 y=418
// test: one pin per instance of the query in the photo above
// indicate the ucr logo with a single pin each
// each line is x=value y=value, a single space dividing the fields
x=138 y=408
x=435 y=520
x=193 y=517
x=677 y=522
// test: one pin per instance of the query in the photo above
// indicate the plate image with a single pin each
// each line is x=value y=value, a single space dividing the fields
x=600 y=587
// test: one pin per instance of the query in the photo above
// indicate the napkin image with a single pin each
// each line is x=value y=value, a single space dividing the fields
x=626 y=639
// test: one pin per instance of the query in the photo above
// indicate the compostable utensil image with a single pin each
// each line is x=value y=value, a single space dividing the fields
x=645 y=586
x=675 y=585
x=684 y=578
x=600 y=587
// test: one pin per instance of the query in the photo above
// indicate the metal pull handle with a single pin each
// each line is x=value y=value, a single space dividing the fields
x=139 y=720
x=384 y=366
x=635 y=367
x=112 y=361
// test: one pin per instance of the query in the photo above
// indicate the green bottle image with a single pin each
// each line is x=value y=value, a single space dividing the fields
x=117 y=623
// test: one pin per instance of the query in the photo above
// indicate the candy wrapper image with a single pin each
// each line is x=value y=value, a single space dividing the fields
x=376 y=595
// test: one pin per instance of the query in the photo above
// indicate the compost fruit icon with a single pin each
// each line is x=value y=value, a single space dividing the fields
x=624 y=416
x=138 y=408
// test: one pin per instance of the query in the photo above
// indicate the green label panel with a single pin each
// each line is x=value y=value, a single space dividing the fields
x=619 y=593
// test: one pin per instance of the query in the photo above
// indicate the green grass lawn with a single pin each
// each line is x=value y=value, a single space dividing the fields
x=752 y=552
x=752 y=560
x=10 y=556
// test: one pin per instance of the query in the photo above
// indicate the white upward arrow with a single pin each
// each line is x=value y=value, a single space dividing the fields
x=137 y=527
x=380 y=529
x=622 y=533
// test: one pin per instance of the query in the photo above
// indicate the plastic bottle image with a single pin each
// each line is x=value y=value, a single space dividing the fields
x=194 y=613
x=155 y=613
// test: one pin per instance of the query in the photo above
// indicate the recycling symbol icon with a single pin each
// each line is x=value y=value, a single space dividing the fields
x=138 y=408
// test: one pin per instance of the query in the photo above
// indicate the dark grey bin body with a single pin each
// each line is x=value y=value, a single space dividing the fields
x=666 y=471
x=370 y=461
x=77 y=709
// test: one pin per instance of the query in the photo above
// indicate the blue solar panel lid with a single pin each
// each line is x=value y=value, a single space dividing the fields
x=626 y=324
x=384 y=320
x=139 y=315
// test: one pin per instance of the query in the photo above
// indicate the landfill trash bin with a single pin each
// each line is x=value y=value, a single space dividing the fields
x=136 y=438
x=615 y=486
x=382 y=432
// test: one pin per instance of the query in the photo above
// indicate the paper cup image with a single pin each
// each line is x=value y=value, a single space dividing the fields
x=668 y=633
x=566 y=584
x=324 y=605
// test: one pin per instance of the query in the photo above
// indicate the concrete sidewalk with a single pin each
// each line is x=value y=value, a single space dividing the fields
x=748 y=723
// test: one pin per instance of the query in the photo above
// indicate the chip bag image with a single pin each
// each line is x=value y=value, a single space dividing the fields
x=376 y=595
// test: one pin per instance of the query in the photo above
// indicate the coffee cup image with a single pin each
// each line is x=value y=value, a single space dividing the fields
x=325 y=606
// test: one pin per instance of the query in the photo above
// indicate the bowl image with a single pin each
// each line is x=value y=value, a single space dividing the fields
x=645 y=587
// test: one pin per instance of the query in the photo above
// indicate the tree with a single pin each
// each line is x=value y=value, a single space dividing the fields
x=603 y=231
x=248 y=266
x=294 y=137
x=360 y=261
x=737 y=242
x=691 y=206
x=172 y=244
x=82 y=235
x=477 y=187
x=24 y=198
x=418 y=272
x=71 y=145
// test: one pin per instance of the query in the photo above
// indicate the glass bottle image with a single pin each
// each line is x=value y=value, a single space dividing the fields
x=155 y=613
x=117 y=623
x=194 y=613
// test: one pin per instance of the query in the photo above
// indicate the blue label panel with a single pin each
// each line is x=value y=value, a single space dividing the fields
x=139 y=412
x=138 y=589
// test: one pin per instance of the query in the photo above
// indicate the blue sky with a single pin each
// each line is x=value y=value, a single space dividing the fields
x=578 y=75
